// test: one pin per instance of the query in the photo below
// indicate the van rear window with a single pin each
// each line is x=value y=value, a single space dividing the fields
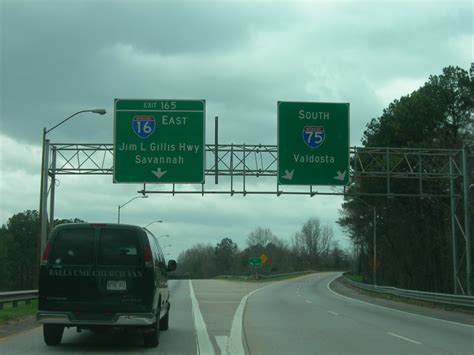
x=73 y=247
x=119 y=247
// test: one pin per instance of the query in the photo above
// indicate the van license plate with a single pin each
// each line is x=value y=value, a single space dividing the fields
x=114 y=285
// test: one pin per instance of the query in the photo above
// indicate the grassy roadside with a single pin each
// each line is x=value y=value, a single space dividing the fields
x=264 y=278
x=358 y=278
x=9 y=313
x=406 y=300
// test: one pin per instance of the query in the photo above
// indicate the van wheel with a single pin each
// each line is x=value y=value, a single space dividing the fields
x=52 y=333
x=151 y=338
x=165 y=321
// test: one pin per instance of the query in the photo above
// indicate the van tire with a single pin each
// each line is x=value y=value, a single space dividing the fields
x=52 y=334
x=151 y=338
x=165 y=321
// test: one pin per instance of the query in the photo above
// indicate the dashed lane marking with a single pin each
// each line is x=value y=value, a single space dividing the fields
x=404 y=338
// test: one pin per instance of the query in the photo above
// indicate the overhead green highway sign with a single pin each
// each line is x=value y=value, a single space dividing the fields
x=159 y=141
x=313 y=143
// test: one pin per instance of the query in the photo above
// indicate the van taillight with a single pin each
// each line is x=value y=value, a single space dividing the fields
x=46 y=251
x=147 y=256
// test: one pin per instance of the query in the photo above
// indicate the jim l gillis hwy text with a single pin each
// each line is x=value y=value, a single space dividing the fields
x=160 y=147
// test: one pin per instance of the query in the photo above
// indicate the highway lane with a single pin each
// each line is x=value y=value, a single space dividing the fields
x=304 y=316
x=180 y=338
x=218 y=303
x=299 y=316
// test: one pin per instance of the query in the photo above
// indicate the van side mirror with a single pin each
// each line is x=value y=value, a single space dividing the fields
x=171 y=265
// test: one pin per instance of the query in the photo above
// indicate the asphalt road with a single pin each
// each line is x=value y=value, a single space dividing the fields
x=299 y=316
x=305 y=317
x=180 y=338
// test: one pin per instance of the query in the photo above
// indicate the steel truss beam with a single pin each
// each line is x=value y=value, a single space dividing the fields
x=390 y=172
x=261 y=160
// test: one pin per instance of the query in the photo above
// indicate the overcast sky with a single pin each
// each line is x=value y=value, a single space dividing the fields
x=59 y=57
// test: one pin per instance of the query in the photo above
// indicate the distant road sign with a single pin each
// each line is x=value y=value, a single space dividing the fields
x=159 y=141
x=255 y=261
x=374 y=263
x=264 y=258
x=313 y=143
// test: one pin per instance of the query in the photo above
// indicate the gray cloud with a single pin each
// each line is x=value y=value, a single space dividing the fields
x=241 y=57
x=58 y=59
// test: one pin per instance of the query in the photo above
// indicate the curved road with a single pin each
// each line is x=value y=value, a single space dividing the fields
x=305 y=316
x=298 y=316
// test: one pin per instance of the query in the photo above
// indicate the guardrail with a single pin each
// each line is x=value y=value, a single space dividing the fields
x=444 y=298
x=262 y=276
x=17 y=296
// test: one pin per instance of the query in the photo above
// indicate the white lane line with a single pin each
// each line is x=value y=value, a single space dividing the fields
x=235 y=345
x=204 y=345
x=308 y=301
x=392 y=309
x=222 y=343
x=216 y=294
x=334 y=313
x=407 y=339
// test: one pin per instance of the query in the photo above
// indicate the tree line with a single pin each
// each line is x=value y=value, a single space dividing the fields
x=414 y=240
x=19 y=250
x=312 y=248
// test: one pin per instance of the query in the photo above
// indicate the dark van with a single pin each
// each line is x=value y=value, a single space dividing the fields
x=98 y=276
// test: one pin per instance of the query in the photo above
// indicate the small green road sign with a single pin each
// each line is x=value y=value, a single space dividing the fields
x=255 y=261
x=159 y=141
x=313 y=143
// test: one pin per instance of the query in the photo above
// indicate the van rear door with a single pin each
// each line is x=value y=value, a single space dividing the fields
x=66 y=280
x=96 y=269
x=124 y=283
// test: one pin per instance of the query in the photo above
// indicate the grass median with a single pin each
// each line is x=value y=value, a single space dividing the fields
x=265 y=278
x=10 y=313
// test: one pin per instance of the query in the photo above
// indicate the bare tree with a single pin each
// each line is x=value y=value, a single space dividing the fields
x=313 y=242
x=261 y=237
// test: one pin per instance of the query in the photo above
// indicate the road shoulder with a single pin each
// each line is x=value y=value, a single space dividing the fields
x=17 y=326
x=419 y=308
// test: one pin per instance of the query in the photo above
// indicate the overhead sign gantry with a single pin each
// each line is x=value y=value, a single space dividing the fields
x=392 y=166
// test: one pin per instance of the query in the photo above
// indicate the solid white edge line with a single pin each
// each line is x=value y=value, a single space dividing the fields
x=235 y=344
x=222 y=343
x=204 y=345
x=404 y=338
x=392 y=309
